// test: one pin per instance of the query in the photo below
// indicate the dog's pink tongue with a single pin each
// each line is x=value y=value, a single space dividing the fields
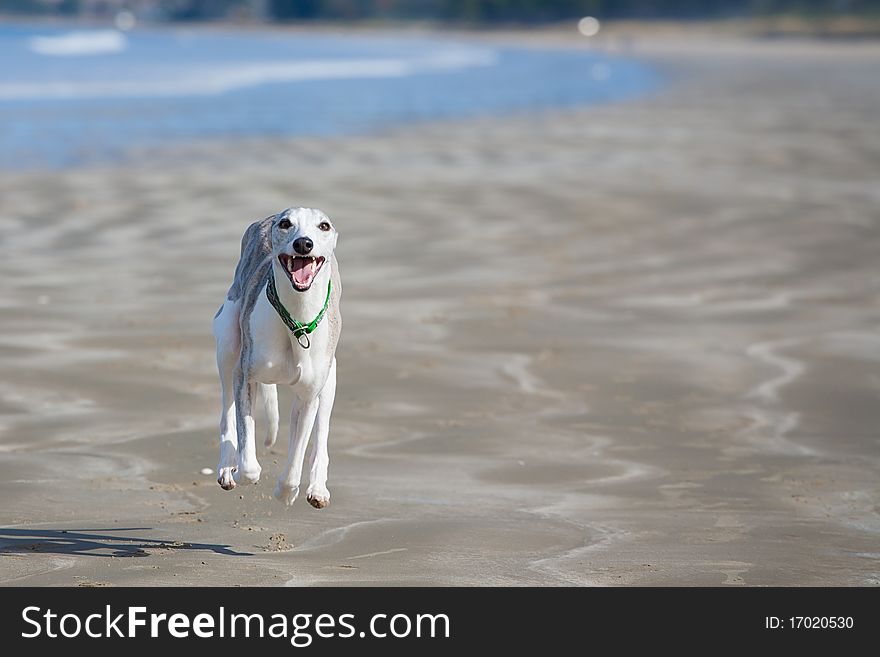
x=303 y=271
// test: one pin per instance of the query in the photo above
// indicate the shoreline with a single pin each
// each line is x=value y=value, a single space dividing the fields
x=679 y=387
x=432 y=77
x=668 y=48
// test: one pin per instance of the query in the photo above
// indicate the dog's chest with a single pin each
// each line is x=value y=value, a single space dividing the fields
x=277 y=358
x=273 y=362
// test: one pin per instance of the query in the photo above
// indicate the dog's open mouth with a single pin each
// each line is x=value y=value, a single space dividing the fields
x=301 y=270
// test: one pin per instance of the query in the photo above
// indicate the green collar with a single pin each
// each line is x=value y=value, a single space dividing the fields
x=299 y=329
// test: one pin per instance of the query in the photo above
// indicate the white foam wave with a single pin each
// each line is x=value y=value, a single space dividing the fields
x=75 y=44
x=214 y=81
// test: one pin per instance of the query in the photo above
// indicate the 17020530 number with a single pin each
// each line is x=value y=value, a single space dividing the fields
x=821 y=622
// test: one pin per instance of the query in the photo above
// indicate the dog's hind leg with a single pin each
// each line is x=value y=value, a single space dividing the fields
x=247 y=467
x=227 y=336
x=302 y=420
x=319 y=458
x=269 y=395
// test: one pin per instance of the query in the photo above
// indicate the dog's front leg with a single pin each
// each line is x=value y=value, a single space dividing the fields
x=248 y=469
x=226 y=333
x=302 y=419
x=319 y=459
x=228 y=429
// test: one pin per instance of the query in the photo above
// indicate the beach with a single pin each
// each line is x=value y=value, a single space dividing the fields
x=629 y=344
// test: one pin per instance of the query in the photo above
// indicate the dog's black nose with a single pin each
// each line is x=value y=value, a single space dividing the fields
x=303 y=245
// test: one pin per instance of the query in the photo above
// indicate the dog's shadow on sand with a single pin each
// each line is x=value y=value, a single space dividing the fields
x=97 y=543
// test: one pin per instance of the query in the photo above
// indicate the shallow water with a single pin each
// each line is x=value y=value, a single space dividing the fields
x=69 y=96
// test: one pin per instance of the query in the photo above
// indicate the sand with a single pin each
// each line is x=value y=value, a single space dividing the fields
x=626 y=345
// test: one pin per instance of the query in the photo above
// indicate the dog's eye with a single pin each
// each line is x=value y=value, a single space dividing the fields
x=324 y=226
x=284 y=224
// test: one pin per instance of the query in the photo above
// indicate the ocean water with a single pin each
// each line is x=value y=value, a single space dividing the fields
x=73 y=96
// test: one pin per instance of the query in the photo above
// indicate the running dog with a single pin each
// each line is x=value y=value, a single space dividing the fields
x=280 y=324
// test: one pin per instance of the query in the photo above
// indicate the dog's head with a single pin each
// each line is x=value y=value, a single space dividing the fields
x=303 y=240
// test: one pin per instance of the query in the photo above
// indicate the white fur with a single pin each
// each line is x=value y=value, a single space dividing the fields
x=256 y=352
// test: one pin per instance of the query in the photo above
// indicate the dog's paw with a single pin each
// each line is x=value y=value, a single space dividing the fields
x=318 y=497
x=247 y=474
x=247 y=471
x=286 y=494
x=225 y=478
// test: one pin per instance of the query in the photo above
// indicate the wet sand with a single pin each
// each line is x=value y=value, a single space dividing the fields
x=631 y=344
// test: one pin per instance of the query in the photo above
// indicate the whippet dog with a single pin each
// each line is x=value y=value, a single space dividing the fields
x=280 y=324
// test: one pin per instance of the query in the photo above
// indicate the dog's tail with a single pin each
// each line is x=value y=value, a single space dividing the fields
x=269 y=395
